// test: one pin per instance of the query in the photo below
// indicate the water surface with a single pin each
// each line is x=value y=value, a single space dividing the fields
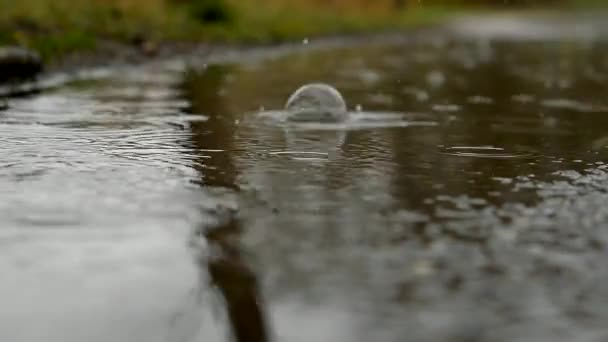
x=156 y=204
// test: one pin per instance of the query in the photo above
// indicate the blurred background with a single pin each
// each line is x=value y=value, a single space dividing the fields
x=54 y=27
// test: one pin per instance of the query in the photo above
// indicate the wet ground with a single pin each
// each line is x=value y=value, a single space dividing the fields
x=158 y=203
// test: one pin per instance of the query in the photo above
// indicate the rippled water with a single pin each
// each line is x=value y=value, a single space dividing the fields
x=465 y=200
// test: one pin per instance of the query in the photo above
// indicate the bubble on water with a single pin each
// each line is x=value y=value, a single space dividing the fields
x=435 y=78
x=316 y=102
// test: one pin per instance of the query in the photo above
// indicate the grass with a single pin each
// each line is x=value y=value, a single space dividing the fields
x=56 y=27
x=294 y=21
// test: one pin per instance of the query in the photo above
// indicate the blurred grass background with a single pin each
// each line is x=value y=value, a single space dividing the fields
x=55 y=27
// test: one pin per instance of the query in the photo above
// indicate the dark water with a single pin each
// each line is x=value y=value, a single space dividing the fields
x=156 y=203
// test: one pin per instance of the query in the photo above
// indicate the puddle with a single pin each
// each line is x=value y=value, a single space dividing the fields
x=484 y=152
x=159 y=204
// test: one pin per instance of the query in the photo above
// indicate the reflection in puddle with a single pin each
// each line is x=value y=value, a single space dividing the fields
x=235 y=281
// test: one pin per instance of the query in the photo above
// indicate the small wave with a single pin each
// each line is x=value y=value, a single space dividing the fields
x=484 y=152
x=302 y=155
x=358 y=120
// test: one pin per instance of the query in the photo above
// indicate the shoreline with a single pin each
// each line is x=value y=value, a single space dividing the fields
x=111 y=55
x=115 y=56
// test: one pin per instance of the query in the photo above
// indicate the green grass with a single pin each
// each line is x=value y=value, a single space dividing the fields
x=57 y=27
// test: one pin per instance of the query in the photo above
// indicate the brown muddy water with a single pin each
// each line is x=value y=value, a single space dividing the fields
x=160 y=203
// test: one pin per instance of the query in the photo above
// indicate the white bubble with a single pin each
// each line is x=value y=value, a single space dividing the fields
x=435 y=78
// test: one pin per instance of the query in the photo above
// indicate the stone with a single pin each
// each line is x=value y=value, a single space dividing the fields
x=18 y=64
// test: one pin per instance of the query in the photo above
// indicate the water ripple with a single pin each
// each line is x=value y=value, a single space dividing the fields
x=484 y=152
